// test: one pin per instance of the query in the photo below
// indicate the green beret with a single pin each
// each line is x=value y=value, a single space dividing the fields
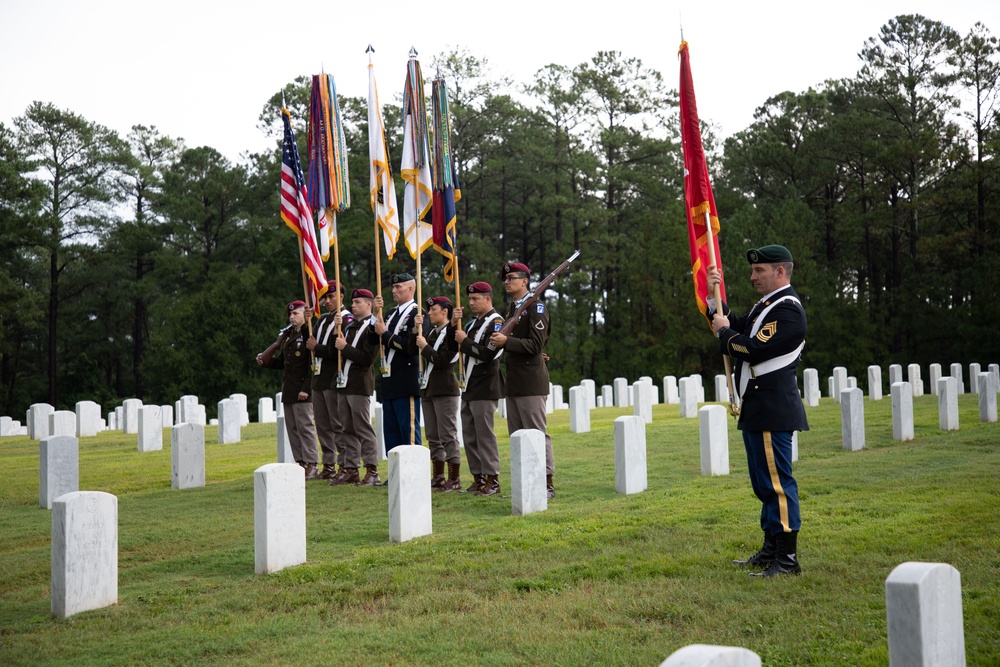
x=769 y=254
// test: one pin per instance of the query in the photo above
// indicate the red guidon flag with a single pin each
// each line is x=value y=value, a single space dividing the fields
x=700 y=204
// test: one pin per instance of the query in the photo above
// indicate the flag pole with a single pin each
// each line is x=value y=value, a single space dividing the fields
x=417 y=222
x=305 y=292
x=734 y=400
x=378 y=259
x=340 y=299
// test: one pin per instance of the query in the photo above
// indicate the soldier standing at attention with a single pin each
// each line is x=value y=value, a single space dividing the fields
x=400 y=383
x=440 y=392
x=296 y=385
x=483 y=389
x=767 y=343
x=325 y=397
x=358 y=345
x=527 y=375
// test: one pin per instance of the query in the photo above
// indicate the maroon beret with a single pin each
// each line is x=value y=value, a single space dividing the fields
x=295 y=304
x=362 y=294
x=479 y=288
x=512 y=267
x=333 y=285
x=442 y=301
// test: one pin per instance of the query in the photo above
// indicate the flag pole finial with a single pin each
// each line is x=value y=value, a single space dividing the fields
x=413 y=53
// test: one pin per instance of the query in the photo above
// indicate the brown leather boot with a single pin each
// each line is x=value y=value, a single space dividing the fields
x=453 y=483
x=311 y=471
x=346 y=476
x=437 y=475
x=477 y=483
x=490 y=487
x=328 y=471
x=550 y=490
x=371 y=478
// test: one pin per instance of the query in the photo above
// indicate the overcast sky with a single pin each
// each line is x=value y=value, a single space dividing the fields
x=203 y=70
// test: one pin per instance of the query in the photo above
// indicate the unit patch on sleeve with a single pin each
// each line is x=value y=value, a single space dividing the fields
x=539 y=308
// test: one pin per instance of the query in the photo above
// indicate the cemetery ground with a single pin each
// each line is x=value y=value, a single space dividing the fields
x=597 y=579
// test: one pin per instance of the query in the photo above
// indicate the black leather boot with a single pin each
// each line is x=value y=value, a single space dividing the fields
x=764 y=556
x=785 y=561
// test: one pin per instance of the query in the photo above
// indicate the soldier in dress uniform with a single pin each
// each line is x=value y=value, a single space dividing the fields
x=359 y=346
x=483 y=388
x=296 y=387
x=400 y=376
x=440 y=391
x=325 y=397
x=767 y=344
x=527 y=385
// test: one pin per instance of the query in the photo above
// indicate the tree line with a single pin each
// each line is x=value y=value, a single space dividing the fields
x=137 y=266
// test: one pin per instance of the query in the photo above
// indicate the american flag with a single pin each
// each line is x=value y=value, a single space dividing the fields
x=296 y=213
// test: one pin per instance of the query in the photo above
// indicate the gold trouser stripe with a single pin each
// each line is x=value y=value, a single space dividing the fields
x=776 y=482
x=413 y=423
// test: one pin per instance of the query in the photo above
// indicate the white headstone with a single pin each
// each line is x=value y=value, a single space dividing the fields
x=179 y=411
x=167 y=416
x=409 y=493
x=579 y=411
x=88 y=416
x=38 y=420
x=721 y=389
x=84 y=552
x=279 y=407
x=642 y=404
x=213 y=422
x=130 y=416
x=630 y=455
x=187 y=456
x=852 y=382
x=923 y=610
x=994 y=370
x=549 y=405
x=830 y=384
x=839 y=382
x=113 y=419
x=58 y=468
x=896 y=374
x=198 y=415
x=120 y=418
x=150 y=428
x=631 y=395
x=902 y=411
x=688 y=392
x=700 y=384
x=656 y=394
x=188 y=404
x=241 y=401
x=528 y=492
x=557 y=397
x=284 y=445
x=987 y=390
x=590 y=392
x=6 y=427
x=621 y=392
x=279 y=516
x=607 y=395
x=974 y=371
x=62 y=422
x=670 y=395
x=913 y=377
x=795 y=446
x=600 y=402
x=852 y=411
x=713 y=429
x=875 y=383
x=230 y=419
x=934 y=371
x=956 y=372
x=948 y=404
x=502 y=408
x=707 y=655
x=379 y=416
x=810 y=384
x=265 y=410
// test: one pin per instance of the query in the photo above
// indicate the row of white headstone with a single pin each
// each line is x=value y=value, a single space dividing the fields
x=923 y=610
x=853 y=408
x=840 y=381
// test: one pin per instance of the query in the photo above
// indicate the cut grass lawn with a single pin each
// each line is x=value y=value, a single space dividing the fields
x=597 y=579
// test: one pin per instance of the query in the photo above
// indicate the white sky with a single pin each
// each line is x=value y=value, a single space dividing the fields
x=203 y=70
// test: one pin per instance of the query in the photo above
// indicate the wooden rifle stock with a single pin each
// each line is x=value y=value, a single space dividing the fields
x=268 y=354
x=532 y=297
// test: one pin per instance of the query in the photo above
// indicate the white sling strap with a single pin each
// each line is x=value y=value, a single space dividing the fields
x=770 y=365
x=403 y=315
x=436 y=347
x=470 y=361
x=327 y=326
x=354 y=343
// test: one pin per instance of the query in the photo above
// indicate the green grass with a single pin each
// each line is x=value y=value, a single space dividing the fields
x=597 y=579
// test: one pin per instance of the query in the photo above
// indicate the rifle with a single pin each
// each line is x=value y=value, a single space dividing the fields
x=532 y=297
x=265 y=356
